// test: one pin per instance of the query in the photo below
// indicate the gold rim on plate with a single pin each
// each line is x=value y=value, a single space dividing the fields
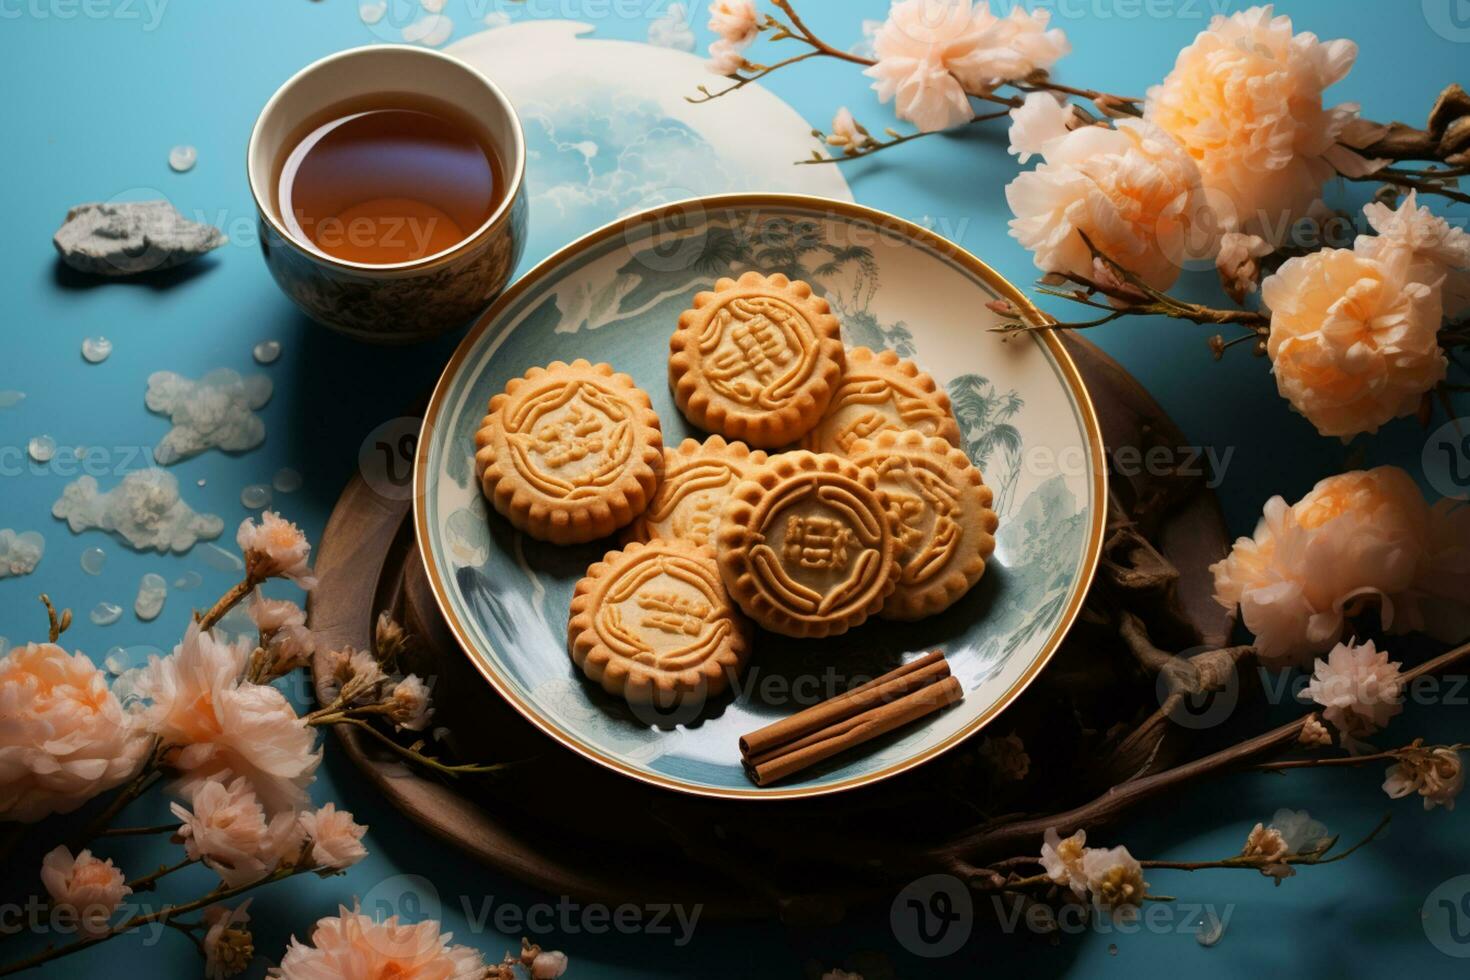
x=883 y=222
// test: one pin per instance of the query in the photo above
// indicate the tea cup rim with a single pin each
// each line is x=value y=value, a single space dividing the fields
x=515 y=168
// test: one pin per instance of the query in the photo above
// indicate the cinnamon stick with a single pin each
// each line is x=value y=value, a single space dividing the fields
x=928 y=669
x=826 y=742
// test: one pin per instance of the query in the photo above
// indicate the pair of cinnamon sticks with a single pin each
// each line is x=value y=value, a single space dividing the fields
x=911 y=692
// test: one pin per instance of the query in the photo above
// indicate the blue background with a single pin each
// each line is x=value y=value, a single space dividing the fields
x=94 y=102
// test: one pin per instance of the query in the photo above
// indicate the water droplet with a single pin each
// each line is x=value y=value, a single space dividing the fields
x=114 y=661
x=372 y=11
x=1208 y=928
x=286 y=480
x=266 y=351
x=95 y=350
x=9 y=398
x=41 y=448
x=105 y=613
x=92 y=561
x=221 y=560
x=255 y=496
x=199 y=482
x=152 y=591
x=182 y=158
x=189 y=580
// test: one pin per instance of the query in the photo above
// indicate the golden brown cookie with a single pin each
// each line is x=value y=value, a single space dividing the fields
x=653 y=625
x=941 y=507
x=570 y=452
x=881 y=391
x=756 y=360
x=806 y=545
x=697 y=479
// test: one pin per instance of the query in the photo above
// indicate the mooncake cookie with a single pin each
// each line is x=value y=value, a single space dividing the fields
x=940 y=506
x=880 y=391
x=652 y=624
x=569 y=452
x=697 y=479
x=757 y=359
x=806 y=544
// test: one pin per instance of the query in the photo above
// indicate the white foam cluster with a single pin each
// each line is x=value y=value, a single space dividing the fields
x=20 y=551
x=144 y=510
x=215 y=412
x=672 y=29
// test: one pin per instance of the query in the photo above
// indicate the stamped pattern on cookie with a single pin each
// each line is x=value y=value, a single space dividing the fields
x=756 y=359
x=880 y=391
x=697 y=479
x=652 y=623
x=941 y=509
x=806 y=545
x=569 y=452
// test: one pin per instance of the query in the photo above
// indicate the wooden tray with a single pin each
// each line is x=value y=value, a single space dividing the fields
x=573 y=828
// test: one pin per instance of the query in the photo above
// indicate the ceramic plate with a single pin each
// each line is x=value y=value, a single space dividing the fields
x=614 y=295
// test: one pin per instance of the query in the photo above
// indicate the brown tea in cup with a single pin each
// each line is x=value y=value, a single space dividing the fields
x=395 y=180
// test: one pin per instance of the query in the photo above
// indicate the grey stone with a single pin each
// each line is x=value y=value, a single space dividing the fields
x=131 y=238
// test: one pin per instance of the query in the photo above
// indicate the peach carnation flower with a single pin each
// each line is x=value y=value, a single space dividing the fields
x=725 y=58
x=1359 y=688
x=351 y=944
x=64 y=737
x=227 y=829
x=929 y=53
x=88 y=887
x=336 y=840
x=1435 y=774
x=1236 y=263
x=1131 y=189
x=1439 y=252
x=275 y=548
x=1357 y=537
x=270 y=615
x=1245 y=99
x=845 y=130
x=215 y=723
x=1354 y=340
x=228 y=945
x=734 y=20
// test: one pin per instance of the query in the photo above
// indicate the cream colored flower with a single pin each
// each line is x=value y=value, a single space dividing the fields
x=725 y=58
x=1236 y=263
x=1131 y=189
x=1439 y=251
x=845 y=130
x=1062 y=859
x=1115 y=879
x=1354 y=341
x=548 y=965
x=64 y=737
x=408 y=704
x=1357 y=537
x=1038 y=123
x=1314 y=733
x=1265 y=843
x=270 y=615
x=87 y=887
x=275 y=548
x=214 y=723
x=929 y=53
x=1359 y=689
x=351 y=944
x=1245 y=100
x=353 y=676
x=228 y=944
x=336 y=840
x=1435 y=774
x=1301 y=833
x=228 y=830
x=734 y=20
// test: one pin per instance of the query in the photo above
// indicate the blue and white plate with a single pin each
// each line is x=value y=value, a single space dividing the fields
x=614 y=295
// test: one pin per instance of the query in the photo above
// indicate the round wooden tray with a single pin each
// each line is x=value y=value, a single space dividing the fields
x=566 y=825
